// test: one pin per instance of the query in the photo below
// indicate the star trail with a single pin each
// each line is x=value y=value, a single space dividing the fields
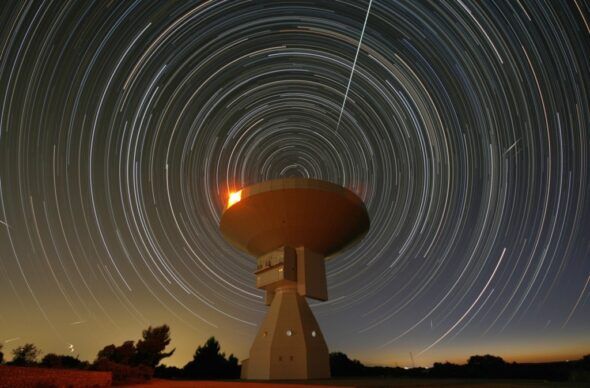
x=464 y=126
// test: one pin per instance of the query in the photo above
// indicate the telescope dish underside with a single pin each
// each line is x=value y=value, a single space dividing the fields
x=320 y=216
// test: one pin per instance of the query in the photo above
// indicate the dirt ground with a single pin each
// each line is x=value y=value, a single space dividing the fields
x=226 y=384
x=23 y=377
x=360 y=383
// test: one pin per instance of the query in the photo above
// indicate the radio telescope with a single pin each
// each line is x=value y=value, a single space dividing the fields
x=291 y=225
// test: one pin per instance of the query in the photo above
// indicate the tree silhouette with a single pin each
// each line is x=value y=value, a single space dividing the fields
x=447 y=369
x=1 y=355
x=341 y=365
x=486 y=366
x=133 y=362
x=52 y=360
x=123 y=354
x=149 y=350
x=209 y=363
x=486 y=361
x=25 y=355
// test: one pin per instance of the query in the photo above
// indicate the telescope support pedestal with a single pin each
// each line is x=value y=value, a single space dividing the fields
x=289 y=344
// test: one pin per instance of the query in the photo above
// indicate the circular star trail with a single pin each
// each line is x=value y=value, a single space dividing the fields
x=464 y=126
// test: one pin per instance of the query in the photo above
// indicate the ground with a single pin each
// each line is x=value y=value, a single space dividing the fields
x=24 y=377
x=362 y=383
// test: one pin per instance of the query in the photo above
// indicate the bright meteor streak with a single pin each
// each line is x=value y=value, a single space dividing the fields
x=354 y=64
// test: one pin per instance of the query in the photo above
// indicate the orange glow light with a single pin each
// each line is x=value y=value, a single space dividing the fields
x=234 y=198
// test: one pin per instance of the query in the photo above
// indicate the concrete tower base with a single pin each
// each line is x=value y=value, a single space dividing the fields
x=289 y=344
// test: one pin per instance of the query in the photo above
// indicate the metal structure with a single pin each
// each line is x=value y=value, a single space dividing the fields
x=290 y=226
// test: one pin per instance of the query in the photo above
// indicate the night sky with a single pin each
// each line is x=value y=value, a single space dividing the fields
x=465 y=128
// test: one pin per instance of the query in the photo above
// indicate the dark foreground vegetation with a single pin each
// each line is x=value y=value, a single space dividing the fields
x=477 y=367
x=139 y=361
x=136 y=362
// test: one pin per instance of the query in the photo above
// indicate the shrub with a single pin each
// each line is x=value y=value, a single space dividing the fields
x=124 y=374
x=25 y=355
x=168 y=372
x=52 y=360
x=123 y=354
x=341 y=365
x=209 y=363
